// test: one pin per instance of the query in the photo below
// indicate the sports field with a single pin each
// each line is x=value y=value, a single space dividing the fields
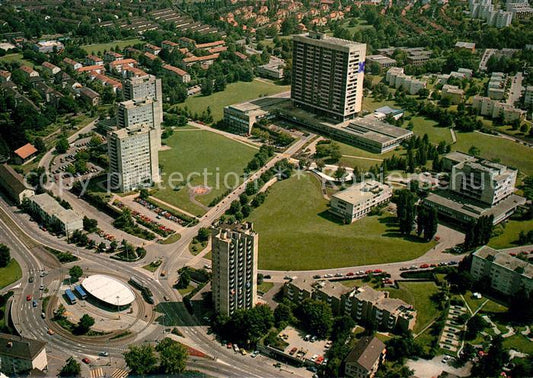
x=233 y=94
x=191 y=152
x=297 y=232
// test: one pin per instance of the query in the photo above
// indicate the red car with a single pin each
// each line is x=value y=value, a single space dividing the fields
x=423 y=266
x=349 y=274
x=28 y=298
x=229 y=346
x=369 y=271
x=86 y=360
x=377 y=271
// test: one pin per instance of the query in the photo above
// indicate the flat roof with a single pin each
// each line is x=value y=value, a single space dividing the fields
x=361 y=192
x=371 y=128
x=108 y=289
x=505 y=260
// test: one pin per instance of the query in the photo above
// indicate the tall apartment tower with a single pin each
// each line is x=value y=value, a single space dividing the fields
x=133 y=158
x=327 y=75
x=234 y=254
x=141 y=112
x=147 y=87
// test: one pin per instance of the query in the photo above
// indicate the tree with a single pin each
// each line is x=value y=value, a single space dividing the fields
x=72 y=368
x=84 y=325
x=406 y=210
x=491 y=364
x=315 y=316
x=282 y=313
x=75 y=272
x=203 y=234
x=5 y=255
x=39 y=144
x=474 y=151
x=144 y=194
x=62 y=145
x=89 y=224
x=184 y=280
x=474 y=325
x=172 y=356
x=141 y=359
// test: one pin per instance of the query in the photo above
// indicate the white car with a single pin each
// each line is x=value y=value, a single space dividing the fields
x=236 y=348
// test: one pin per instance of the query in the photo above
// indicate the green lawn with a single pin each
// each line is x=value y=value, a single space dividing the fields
x=171 y=239
x=490 y=306
x=11 y=273
x=265 y=287
x=186 y=290
x=101 y=47
x=427 y=126
x=491 y=147
x=370 y=104
x=418 y=294
x=233 y=94
x=511 y=230
x=16 y=58
x=298 y=233
x=191 y=153
x=520 y=343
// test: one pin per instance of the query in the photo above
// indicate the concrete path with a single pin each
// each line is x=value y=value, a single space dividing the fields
x=454 y=137
x=492 y=324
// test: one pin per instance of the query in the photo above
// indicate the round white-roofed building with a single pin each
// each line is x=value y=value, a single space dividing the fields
x=108 y=290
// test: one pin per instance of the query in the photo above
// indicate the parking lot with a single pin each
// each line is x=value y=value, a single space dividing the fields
x=450 y=338
x=61 y=165
x=304 y=347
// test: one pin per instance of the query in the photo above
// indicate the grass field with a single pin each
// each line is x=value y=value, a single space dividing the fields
x=265 y=287
x=427 y=126
x=298 y=233
x=418 y=294
x=510 y=233
x=233 y=94
x=171 y=239
x=16 y=58
x=101 y=47
x=193 y=152
x=491 y=147
x=520 y=343
x=11 y=273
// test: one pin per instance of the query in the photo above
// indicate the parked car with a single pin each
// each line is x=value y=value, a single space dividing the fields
x=317 y=276
x=50 y=331
x=103 y=354
x=28 y=298
x=86 y=360
x=34 y=303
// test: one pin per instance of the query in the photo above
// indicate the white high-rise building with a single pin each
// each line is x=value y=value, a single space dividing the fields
x=327 y=75
x=234 y=254
x=133 y=158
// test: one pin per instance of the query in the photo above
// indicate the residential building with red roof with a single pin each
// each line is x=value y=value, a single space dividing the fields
x=96 y=68
x=93 y=60
x=5 y=75
x=25 y=153
x=208 y=59
x=50 y=68
x=72 y=63
x=29 y=72
x=152 y=49
x=111 y=56
x=119 y=65
x=185 y=77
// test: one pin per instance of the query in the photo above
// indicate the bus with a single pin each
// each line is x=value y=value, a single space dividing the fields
x=70 y=296
x=82 y=294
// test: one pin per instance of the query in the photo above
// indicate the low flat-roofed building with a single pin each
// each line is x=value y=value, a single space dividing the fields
x=50 y=211
x=466 y=211
x=357 y=200
x=507 y=274
x=20 y=355
x=384 y=111
x=47 y=47
x=25 y=153
x=365 y=358
x=467 y=46
x=367 y=133
x=272 y=70
x=13 y=184
x=240 y=118
x=382 y=60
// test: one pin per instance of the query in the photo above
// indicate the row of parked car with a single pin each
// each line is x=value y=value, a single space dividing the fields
x=428 y=266
x=377 y=272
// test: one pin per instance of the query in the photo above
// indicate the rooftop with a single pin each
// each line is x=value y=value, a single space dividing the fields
x=374 y=129
x=25 y=151
x=505 y=260
x=327 y=41
x=20 y=347
x=362 y=192
x=108 y=289
x=366 y=352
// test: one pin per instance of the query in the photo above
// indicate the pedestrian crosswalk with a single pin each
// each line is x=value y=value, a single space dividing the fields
x=97 y=373
x=119 y=373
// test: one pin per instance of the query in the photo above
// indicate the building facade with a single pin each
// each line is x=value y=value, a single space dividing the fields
x=356 y=201
x=327 y=75
x=133 y=158
x=148 y=86
x=234 y=255
x=507 y=274
x=483 y=180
